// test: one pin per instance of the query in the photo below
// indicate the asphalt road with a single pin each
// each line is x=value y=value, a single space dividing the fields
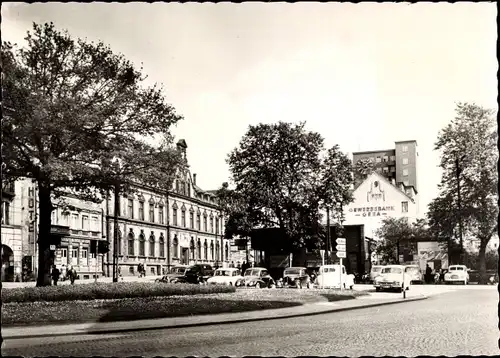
x=462 y=322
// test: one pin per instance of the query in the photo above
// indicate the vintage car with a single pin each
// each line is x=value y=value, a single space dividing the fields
x=457 y=273
x=225 y=276
x=330 y=276
x=197 y=274
x=374 y=272
x=392 y=277
x=257 y=277
x=415 y=274
x=296 y=277
x=174 y=274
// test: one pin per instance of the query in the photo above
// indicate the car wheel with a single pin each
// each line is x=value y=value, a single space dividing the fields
x=350 y=287
x=258 y=285
x=377 y=289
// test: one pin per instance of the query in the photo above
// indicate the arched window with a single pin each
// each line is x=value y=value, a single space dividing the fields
x=174 y=216
x=212 y=250
x=205 y=250
x=162 y=246
x=142 y=245
x=152 y=245
x=199 y=249
x=183 y=217
x=176 y=247
x=191 y=247
x=217 y=251
x=198 y=220
x=130 y=242
x=226 y=252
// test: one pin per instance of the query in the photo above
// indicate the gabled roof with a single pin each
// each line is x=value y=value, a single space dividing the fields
x=384 y=179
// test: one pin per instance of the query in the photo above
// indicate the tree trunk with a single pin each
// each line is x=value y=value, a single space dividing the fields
x=482 y=262
x=45 y=256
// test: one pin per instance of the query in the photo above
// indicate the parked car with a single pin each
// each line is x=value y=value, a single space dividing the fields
x=225 y=276
x=415 y=274
x=329 y=277
x=197 y=274
x=392 y=277
x=173 y=275
x=296 y=277
x=257 y=277
x=457 y=273
x=375 y=271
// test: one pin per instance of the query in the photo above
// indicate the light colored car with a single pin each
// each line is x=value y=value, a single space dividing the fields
x=457 y=273
x=415 y=274
x=225 y=276
x=392 y=277
x=257 y=277
x=375 y=271
x=329 y=277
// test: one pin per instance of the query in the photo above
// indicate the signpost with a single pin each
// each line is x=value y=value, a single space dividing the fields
x=341 y=248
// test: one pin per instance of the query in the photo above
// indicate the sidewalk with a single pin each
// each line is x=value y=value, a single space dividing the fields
x=67 y=282
x=202 y=320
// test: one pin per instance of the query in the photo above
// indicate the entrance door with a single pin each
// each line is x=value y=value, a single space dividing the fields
x=185 y=255
x=7 y=264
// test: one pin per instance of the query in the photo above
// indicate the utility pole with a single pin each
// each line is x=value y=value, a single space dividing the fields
x=328 y=235
x=115 y=229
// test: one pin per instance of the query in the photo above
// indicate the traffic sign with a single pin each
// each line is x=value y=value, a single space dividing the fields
x=322 y=252
x=341 y=254
x=52 y=247
x=340 y=240
x=340 y=247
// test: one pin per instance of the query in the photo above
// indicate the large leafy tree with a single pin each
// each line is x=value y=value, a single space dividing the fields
x=75 y=118
x=469 y=158
x=282 y=177
x=393 y=232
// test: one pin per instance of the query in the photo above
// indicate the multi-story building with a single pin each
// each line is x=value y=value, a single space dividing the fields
x=160 y=229
x=398 y=165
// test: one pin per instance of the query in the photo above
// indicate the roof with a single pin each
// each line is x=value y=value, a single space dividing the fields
x=375 y=151
x=388 y=182
x=406 y=141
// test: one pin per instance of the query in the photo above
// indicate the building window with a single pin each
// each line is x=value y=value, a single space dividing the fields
x=85 y=223
x=386 y=170
x=161 y=220
x=191 y=220
x=405 y=172
x=183 y=188
x=378 y=160
x=64 y=253
x=152 y=245
x=95 y=224
x=75 y=223
x=141 y=210
x=216 y=226
x=142 y=245
x=174 y=216
x=393 y=158
x=85 y=260
x=53 y=216
x=386 y=158
x=74 y=253
x=393 y=169
x=5 y=213
x=162 y=246
x=405 y=148
x=130 y=240
x=405 y=161
x=183 y=218
x=212 y=225
x=404 y=206
x=217 y=251
x=212 y=250
x=152 y=213
x=177 y=188
x=205 y=226
x=198 y=221
x=131 y=208
x=198 y=247
x=205 y=250
x=176 y=247
x=191 y=247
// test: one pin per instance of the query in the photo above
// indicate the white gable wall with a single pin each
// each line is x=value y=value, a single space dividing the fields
x=376 y=199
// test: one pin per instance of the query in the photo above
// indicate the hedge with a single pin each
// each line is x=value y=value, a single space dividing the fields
x=118 y=290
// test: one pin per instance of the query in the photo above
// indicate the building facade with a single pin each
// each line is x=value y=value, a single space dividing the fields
x=163 y=229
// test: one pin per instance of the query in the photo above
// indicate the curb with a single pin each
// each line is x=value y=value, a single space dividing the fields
x=215 y=322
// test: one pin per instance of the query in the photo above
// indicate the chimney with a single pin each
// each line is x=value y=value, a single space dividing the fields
x=194 y=179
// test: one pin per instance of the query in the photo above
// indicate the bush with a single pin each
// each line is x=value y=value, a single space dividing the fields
x=116 y=290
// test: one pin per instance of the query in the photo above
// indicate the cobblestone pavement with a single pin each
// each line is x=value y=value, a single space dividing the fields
x=457 y=322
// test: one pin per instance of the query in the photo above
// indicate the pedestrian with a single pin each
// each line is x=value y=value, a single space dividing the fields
x=428 y=274
x=244 y=267
x=71 y=274
x=231 y=264
x=55 y=274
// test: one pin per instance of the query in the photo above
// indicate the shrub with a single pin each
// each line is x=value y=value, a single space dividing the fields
x=116 y=290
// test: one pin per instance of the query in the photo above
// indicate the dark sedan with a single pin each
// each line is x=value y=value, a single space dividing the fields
x=296 y=277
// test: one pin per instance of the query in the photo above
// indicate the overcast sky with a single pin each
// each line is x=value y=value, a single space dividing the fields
x=362 y=75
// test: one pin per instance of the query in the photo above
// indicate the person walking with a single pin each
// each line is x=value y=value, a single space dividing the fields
x=71 y=274
x=244 y=267
x=55 y=274
x=428 y=274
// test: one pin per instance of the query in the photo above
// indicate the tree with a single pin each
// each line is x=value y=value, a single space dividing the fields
x=395 y=230
x=281 y=179
x=466 y=206
x=76 y=118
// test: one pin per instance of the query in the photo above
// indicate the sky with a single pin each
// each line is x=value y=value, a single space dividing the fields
x=362 y=75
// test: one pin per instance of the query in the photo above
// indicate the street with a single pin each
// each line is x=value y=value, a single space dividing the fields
x=461 y=321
